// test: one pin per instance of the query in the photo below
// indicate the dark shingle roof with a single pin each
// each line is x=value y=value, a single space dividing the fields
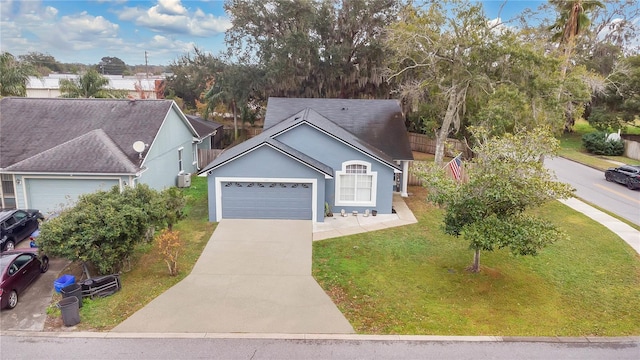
x=306 y=116
x=30 y=127
x=203 y=127
x=83 y=150
x=379 y=123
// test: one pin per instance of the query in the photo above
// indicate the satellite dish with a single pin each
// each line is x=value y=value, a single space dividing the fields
x=138 y=146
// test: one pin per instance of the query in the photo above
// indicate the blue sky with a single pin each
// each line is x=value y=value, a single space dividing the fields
x=75 y=31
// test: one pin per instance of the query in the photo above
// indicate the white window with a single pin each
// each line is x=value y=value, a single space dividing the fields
x=356 y=184
x=180 y=168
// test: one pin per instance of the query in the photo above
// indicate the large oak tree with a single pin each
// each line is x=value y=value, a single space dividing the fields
x=327 y=48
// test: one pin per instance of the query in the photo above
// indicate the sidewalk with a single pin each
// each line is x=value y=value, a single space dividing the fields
x=630 y=235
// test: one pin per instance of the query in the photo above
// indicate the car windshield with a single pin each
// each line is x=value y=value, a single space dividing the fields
x=5 y=260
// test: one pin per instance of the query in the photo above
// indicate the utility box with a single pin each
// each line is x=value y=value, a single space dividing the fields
x=184 y=180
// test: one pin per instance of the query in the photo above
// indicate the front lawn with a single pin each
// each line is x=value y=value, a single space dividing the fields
x=412 y=280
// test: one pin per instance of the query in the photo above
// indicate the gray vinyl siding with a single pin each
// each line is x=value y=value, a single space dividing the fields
x=265 y=163
x=162 y=160
x=333 y=153
x=52 y=194
x=205 y=144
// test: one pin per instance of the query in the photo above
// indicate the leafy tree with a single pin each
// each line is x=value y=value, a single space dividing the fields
x=168 y=243
x=111 y=66
x=441 y=51
x=449 y=54
x=104 y=227
x=325 y=48
x=193 y=74
x=573 y=21
x=89 y=85
x=14 y=75
x=235 y=86
x=506 y=178
x=44 y=63
x=623 y=93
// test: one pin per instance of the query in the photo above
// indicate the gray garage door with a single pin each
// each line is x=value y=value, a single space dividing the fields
x=255 y=200
x=49 y=195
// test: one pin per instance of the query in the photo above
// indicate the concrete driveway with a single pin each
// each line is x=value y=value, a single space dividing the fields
x=254 y=276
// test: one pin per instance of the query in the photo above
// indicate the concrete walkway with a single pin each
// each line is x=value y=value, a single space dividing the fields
x=338 y=225
x=630 y=235
x=254 y=276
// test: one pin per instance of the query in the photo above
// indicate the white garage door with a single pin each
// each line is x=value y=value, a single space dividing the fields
x=48 y=195
x=264 y=200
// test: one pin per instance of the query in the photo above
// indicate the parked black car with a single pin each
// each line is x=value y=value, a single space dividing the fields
x=17 y=225
x=627 y=174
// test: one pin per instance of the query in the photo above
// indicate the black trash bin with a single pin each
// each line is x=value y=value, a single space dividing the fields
x=74 y=289
x=70 y=311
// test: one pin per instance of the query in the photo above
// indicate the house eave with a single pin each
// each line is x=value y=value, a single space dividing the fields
x=209 y=171
x=66 y=173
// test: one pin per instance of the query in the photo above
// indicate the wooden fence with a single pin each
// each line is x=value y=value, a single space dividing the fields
x=425 y=144
x=206 y=156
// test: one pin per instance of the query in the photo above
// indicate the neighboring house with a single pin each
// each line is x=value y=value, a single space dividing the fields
x=49 y=86
x=350 y=154
x=210 y=133
x=53 y=150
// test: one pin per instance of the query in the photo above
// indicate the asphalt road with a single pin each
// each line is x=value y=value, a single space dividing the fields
x=239 y=348
x=591 y=187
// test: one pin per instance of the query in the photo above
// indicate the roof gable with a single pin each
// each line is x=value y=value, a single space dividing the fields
x=379 y=123
x=203 y=127
x=310 y=118
x=31 y=126
x=79 y=155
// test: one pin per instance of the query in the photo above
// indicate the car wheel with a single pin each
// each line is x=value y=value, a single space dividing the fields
x=13 y=299
x=608 y=177
x=9 y=245
x=630 y=184
x=44 y=265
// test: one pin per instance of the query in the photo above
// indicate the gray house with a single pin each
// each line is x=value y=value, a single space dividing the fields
x=53 y=150
x=350 y=154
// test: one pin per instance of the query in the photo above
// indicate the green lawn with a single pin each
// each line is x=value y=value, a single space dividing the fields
x=412 y=280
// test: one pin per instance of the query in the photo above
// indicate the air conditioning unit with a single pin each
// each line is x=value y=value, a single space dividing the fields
x=184 y=180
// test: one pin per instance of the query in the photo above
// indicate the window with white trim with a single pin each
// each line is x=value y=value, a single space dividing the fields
x=180 y=168
x=356 y=184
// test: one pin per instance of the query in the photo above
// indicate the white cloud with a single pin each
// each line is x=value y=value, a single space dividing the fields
x=171 y=17
x=85 y=36
x=170 y=7
x=87 y=27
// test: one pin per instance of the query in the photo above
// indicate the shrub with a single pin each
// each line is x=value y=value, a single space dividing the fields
x=104 y=227
x=596 y=143
x=169 y=246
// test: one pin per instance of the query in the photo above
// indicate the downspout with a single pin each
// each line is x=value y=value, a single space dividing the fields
x=405 y=178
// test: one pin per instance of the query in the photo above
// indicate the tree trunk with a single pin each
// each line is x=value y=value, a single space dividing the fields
x=443 y=134
x=235 y=122
x=476 y=262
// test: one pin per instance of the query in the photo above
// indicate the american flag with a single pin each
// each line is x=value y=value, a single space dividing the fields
x=456 y=167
